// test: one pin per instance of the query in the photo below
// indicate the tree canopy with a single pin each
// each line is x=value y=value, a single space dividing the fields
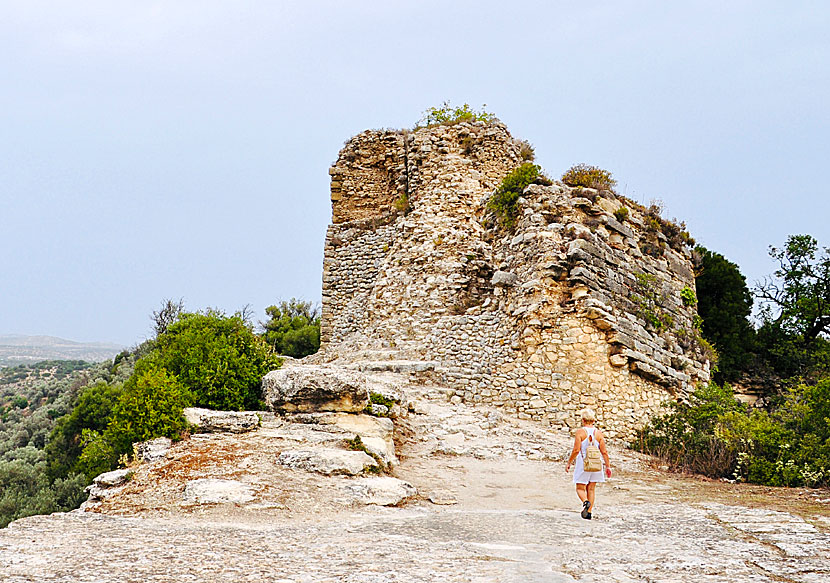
x=293 y=328
x=725 y=304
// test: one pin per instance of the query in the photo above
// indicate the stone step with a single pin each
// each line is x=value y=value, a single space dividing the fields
x=398 y=366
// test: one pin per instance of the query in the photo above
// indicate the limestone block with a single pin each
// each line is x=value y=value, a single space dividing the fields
x=308 y=388
x=381 y=490
x=618 y=360
x=107 y=484
x=327 y=461
x=504 y=279
x=376 y=433
x=209 y=421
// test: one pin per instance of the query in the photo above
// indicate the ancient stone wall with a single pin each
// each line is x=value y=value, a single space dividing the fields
x=581 y=304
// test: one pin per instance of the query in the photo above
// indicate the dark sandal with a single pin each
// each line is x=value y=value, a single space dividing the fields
x=585 y=506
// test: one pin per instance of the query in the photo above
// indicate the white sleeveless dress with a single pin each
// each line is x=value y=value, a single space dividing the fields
x=580 y=475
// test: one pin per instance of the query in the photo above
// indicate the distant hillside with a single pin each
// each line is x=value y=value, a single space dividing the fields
x=18 y=349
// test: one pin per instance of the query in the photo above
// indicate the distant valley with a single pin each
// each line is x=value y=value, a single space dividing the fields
x=19 y=349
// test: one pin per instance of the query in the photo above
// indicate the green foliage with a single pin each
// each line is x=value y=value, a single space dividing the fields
x=688 y=297
x=293 y=328
x=715 y=435
x=800 y=289
x=685 y=437
x=795 y=312
x=216 y=357
x=91 y=413
x=150 y=406
x=589 y=176
x=504 y=202
x=725 y=304
x=25 y=490
x=621 y=214
x=97 y=455
x=379 y=399
x=445 y=114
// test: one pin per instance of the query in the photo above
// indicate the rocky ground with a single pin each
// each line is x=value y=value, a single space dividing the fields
x=493 y=504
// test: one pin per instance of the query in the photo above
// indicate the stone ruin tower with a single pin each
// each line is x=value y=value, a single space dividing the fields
x=576 y=306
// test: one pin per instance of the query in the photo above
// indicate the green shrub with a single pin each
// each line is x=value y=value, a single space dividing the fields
x=621 y=214
x=91 y=412
x=685 y=437
x=445 y=114
x=216 y=357
x=589 y=176
x=503 y=202
x=714 y=434
x=151 y=406
x=650 y=302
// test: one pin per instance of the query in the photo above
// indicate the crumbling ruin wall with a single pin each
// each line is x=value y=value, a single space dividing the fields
x=579 y=305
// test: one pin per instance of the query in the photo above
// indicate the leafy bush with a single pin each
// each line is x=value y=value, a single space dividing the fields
x=589 y=176
x=725 y=304
x=621 y=214
x=685 y=437
x=650 y=301
x=151 y=406
x=91 y=413
x=216 y=357
x=445 y=114
x=714 y=434
x=503 y=202
x=294 y=328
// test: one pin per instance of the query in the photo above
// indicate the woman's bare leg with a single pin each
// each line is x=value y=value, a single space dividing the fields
x=591 y=494
x=582 y=492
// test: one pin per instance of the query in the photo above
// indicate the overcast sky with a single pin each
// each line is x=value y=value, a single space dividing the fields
x=180 y=149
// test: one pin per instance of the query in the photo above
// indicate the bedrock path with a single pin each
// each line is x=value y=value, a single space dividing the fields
x=494 y=504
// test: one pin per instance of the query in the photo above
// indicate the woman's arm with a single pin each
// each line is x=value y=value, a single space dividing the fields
x=577 y=447
x=604 y=451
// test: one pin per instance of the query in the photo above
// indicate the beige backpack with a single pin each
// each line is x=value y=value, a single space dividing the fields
x=593 y=459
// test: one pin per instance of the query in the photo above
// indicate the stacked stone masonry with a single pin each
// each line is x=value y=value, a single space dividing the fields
x=564 y=311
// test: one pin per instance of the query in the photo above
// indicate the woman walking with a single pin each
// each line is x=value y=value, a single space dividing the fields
x=586 y=482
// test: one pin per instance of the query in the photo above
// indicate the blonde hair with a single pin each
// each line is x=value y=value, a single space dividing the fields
x=588 y=414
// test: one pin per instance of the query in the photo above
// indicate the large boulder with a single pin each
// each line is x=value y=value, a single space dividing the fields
x=310 y=388
x=208 y=421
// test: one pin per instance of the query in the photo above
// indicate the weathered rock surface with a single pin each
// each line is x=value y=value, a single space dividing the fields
x=380 y=490
x=107 y=484
x=515 y=517
x=305 y=388
x=209 y=421
x=327 y=461
x=213 y=491
x=376 y=433
x=155 y=449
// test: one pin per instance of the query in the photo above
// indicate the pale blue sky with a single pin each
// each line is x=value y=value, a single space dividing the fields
x=180 y=149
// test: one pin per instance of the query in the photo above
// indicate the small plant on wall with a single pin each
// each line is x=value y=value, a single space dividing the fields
x=589 y=176
x=649 y=302
x=504 y=202
x=446 y=114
